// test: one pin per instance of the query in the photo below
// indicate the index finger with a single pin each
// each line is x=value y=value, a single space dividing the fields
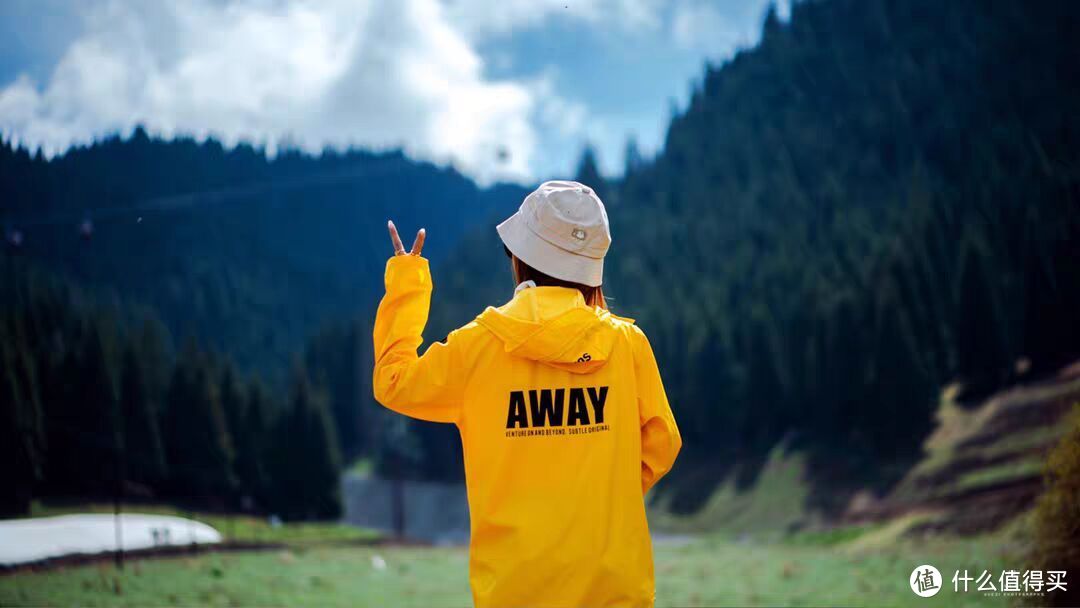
x=399 y=248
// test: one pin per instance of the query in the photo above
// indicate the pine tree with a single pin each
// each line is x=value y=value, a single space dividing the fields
x=846 y=377
x=252 y=447
x=306 y=479
x=588 y=173
x=85 y=427
x=144 y=454
x=981 y=356
x=154 y=345
x=333 y=360
x=21 y=424
x=233 y=404
x=767 y=384
x=772 y=25
x=632 y=158
x=198 y=448
x=904 y=397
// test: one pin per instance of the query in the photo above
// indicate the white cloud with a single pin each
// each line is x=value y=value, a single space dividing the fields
x=371 y=73
x=701 y=27
x=719 y=29
x=558 y=116
x=334 y=72
x=479 y=18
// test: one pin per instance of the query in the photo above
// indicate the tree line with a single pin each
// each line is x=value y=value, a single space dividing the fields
x=97 y=405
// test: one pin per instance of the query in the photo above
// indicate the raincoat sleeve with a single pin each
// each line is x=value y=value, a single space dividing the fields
x=660 y=439
x=428 y=387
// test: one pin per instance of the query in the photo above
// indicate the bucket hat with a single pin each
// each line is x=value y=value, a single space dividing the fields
x=561 y=229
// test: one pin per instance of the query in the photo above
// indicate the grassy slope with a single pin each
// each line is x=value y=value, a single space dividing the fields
x=956 y=486
x=772 y=505
x=983 y=466
x=1004 y=438
x=709 y=572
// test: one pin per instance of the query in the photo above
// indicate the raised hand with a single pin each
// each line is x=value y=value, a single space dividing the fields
x=399 y=249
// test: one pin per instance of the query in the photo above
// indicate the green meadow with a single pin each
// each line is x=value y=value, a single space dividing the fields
x=861 y=568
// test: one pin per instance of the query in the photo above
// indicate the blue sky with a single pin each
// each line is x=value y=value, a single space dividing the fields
x=503 y=90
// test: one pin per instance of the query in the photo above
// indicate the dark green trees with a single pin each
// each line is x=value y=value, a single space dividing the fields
x=296 y=245
x=588 y=173
x=252 y=440
x=304 y=459
x=198 y=446
x=902 y=398
x=140 y=410
x=95 y=408
x=982 y=356
x=84 y=427
x=22 y=431
x=338 y=358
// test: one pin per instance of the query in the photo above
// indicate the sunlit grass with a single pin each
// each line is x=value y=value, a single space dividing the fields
x=713 y=571
x=312 y=577
x=773 y=504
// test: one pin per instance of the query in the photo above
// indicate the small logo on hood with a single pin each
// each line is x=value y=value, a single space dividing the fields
x=579 y=234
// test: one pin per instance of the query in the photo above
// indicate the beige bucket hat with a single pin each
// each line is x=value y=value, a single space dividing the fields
x=561 y=230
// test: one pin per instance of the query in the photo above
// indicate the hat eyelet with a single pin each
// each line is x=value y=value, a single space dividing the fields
x=578 y=234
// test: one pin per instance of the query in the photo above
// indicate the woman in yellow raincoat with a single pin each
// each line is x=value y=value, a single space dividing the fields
x=563 y=417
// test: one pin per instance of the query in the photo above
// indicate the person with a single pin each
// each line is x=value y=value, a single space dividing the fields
x=563 y=418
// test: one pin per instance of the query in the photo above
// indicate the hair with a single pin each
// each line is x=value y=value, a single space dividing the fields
x=594 y=296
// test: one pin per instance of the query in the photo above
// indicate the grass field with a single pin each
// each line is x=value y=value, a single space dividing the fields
x=833 y=569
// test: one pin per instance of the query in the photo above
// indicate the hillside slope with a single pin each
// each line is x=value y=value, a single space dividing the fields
x=982 y=465
x=247 y=253
x=879 y=199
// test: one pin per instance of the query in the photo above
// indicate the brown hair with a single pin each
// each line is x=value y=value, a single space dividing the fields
x=594 y=296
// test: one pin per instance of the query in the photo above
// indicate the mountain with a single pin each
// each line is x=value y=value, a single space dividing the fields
x=249 y=254
x=880 y=199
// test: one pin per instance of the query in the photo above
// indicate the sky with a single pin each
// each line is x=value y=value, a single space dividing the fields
x=504 y=90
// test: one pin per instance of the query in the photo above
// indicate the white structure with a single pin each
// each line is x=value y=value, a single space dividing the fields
x=30 y=540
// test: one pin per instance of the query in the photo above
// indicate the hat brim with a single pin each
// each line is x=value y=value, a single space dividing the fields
x=547 y=258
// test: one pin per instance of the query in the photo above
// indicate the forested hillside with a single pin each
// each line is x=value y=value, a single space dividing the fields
x=246 y=253
x=883 y=196
x=157 y=297
x=95 y=404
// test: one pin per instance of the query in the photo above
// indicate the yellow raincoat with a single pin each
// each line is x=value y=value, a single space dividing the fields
x=564 y=424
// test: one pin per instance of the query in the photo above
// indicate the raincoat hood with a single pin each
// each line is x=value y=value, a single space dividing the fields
x=554 y=326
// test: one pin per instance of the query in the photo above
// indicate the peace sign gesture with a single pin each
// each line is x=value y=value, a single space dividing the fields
x=399 y=249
